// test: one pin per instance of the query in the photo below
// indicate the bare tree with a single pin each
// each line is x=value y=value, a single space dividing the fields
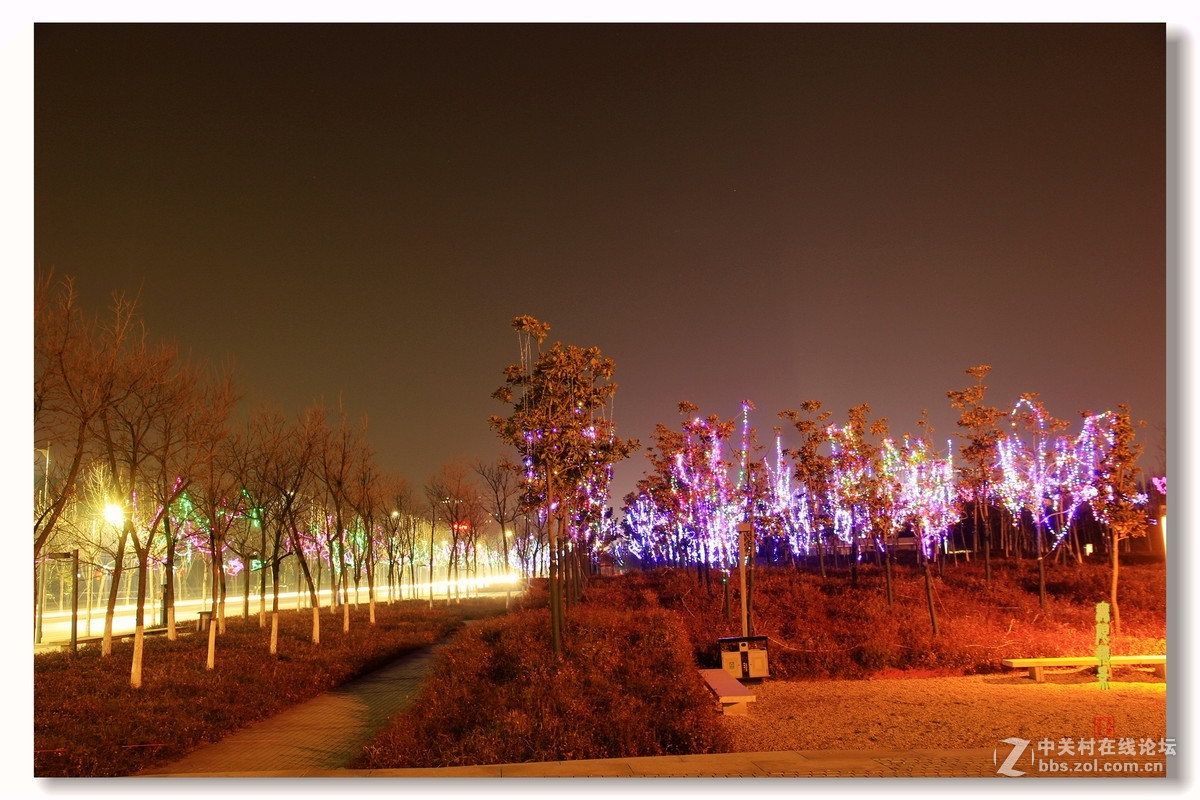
x=456 y=498
x=218 y=498
x=284 y=472
x=367 y=502
x=336 y=454
x=401 y=527
x=504 y=489
x=76 y=367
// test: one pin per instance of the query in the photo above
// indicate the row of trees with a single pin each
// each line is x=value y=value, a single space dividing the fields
x=852 y=486
x=846 y=486
x=145 y=461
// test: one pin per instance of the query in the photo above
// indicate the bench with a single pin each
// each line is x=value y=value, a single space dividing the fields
x=127 y=636
x=732 y=695
x=1037 y=665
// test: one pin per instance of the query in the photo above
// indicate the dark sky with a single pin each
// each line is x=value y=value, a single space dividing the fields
x=773 y=212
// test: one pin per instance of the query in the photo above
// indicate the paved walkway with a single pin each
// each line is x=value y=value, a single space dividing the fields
x=781 y=764
x=325 y=733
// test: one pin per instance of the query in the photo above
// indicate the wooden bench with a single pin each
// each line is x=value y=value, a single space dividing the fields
x=732 y=695
x=1037 y=665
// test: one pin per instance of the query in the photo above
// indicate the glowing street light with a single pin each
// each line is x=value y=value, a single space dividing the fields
x=114 y=515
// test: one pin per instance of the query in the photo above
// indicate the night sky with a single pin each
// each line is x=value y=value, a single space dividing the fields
x=773 y=212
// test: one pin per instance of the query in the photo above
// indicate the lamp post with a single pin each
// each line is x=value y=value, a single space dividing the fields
x=74 y=556
x=45 y=473
x=41 y=600
x=41 y=576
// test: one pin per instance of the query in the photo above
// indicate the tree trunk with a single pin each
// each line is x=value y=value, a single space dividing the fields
x=1116 y=612
x=750 y=553
x=555 y=588
x=169 y=581
x=312 y=589
x=345 y=597
x=114 y=590
x=1041 y=562
x=211 y=662
x=370 y=588
x=274 y=649
x=139 y=624
x=224 y=591
x=247 y=575
x=262 y=573
x=929 y=595
x=987 y=546
x=854 y=558
x=887 y=575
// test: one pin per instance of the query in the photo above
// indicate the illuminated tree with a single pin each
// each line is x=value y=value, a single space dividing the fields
x=682 y=509
x=1117 y=502
x=1027 y=473
x=852 y=481
x=930 y=499
x=813 y=469
x=562 y=428
x=885 y=504
x=979 y=452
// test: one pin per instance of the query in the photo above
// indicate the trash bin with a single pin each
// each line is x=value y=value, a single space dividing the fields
x=744 y=656
x=202 y=621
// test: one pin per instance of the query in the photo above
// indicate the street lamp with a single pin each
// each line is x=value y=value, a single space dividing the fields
x=74 y=556
x=114 y=515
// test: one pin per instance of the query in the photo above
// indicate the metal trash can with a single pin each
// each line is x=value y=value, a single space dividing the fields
x=744 y=656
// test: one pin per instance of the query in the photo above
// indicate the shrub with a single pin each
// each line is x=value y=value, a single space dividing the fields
x=829 y=629
x=625 y=686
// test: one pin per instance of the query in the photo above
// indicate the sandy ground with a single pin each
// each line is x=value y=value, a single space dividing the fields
x=948 y=712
